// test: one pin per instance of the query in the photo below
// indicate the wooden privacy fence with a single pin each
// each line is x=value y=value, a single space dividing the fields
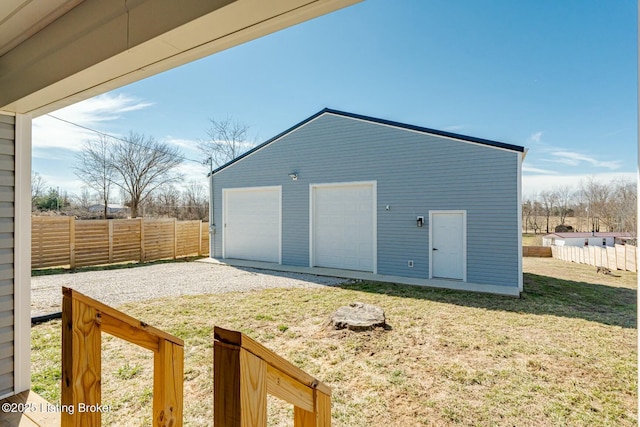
x=83 y=320
x=244 y=372
x=537 y=251
x=619 y=257
x=62 y=241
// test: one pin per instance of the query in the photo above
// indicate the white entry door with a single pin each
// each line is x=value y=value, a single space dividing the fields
x=343 y=222
x=251 y=219
x=448 y=238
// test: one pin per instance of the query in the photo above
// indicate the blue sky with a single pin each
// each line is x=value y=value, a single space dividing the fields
x=558 y=77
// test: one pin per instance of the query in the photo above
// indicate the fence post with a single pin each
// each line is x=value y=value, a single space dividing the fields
x=72 y=242
x=110 y=240
x=200 y=239
x=142 y=240
x=175 y=238
x=81 y=363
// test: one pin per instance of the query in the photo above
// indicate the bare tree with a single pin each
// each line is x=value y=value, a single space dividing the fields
x=167 y=201
x=83 y=200
x=227 y=140
x=38 y=188
x=548 y=203
x=563 y=196
x=527 y=211
x=141 y=165
x=612 y=205
x=624 y=206
x=195 y=200
x=94 y=167
x=595 y=195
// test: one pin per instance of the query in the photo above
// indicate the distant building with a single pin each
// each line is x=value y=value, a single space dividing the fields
x=112 y=208
x=586 y=239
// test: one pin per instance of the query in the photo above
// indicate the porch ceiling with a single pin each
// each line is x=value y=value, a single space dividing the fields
x=57 y=52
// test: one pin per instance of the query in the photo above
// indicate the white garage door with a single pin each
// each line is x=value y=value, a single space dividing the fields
x=343 y=226
x=252 y=223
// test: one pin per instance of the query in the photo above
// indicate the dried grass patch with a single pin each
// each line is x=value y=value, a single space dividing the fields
x=564 y=354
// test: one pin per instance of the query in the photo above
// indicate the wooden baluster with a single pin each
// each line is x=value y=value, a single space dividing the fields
x=226 y=385
x=81 y=363
x=302 y=418
x=168 y=373
x=323 y=410
x=253 y=390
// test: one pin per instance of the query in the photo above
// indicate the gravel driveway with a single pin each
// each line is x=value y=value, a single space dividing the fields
x=116 y=287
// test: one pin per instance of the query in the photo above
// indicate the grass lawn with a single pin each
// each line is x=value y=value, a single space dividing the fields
x=563 y=354
x=529 y=239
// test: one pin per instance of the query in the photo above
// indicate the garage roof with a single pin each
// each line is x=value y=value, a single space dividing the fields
x=414 y=128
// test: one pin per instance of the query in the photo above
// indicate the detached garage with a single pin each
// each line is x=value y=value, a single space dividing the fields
x=355 y=196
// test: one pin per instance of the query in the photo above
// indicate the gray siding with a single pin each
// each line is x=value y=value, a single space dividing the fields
x=415 y=173
x=7 y=146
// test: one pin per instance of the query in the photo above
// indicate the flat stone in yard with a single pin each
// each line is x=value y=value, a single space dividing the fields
x=358 y=316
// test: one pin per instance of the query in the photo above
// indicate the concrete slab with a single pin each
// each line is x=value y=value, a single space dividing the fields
x=363 y=275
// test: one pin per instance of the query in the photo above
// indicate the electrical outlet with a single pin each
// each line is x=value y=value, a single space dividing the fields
x=410 y=263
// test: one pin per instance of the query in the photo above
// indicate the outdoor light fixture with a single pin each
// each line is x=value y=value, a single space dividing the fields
x=293 y=176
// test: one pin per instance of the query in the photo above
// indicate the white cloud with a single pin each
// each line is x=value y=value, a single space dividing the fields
x=573 y=158
x=101 y=108
x=193 y=172
x=535 y=137
x=49 y=132
x=531 y=169
x=188 y=144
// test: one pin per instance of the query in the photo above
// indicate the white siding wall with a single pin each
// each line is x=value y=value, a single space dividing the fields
x=415 y=173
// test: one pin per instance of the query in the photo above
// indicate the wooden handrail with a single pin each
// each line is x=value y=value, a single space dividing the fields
x=83 y=321
x=245 y=372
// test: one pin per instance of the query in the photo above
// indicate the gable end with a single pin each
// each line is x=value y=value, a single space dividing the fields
x=450 y=135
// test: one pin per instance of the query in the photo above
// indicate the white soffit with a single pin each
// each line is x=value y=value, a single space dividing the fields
x=20 y=19
x=131 y=43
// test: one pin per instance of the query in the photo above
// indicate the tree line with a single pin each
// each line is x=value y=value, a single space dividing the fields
x=591 y=206
x=189 y=201
x=143 y=174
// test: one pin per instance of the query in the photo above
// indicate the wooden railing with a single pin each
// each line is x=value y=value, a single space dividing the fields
x=244 y=372
x=83 y=320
